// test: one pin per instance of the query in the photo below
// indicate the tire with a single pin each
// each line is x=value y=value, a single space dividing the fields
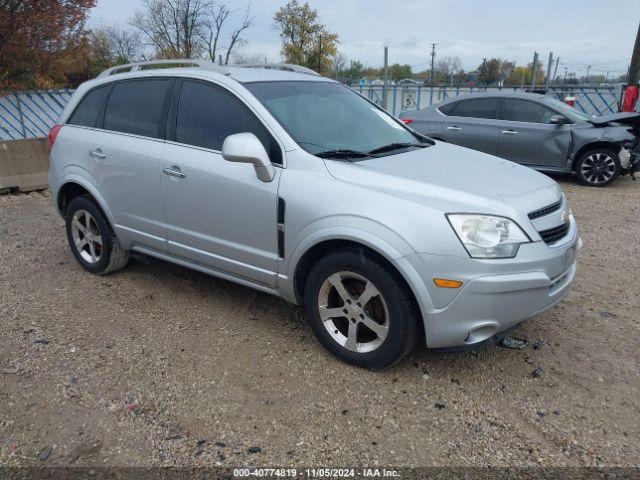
x=343 y=276
x=598 y=167
x=99 y=252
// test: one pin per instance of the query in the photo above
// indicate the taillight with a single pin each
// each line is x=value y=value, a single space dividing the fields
x=407 y=121
x=53 y=134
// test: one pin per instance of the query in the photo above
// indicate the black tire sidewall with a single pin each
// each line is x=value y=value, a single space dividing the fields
x=83 y=203
x=394 y=346
x=606 y=151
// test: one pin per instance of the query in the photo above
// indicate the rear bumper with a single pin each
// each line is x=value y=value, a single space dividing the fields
x=496 y=295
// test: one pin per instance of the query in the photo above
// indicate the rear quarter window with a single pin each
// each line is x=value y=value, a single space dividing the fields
x=87 y=111
x=448 y=108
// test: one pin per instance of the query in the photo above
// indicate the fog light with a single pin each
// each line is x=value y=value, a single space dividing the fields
x=444 y=283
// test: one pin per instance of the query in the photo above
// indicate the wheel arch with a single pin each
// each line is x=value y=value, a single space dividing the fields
x=74 y=186
x=610 y=145
x=398 y=264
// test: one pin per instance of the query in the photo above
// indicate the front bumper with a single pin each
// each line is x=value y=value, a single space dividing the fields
x=496 y=294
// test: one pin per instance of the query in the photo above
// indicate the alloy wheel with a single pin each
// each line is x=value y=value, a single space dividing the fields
x=353 y=311
x=86 y=236
x=598 y=168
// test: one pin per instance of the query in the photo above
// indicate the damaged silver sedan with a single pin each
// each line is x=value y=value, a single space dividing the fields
x=538 y=131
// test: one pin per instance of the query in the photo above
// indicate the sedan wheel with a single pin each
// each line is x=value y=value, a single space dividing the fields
x=598 y=168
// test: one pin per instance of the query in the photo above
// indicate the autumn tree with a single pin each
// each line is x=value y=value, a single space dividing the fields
x=305 y=41
x=43 y=43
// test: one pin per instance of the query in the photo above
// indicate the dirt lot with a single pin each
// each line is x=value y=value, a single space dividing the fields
x=159 y=365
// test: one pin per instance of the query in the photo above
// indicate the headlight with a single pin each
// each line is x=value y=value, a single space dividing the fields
x=486 y=236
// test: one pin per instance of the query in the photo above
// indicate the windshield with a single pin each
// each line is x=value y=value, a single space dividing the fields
x=568 y=111
x=329 y=119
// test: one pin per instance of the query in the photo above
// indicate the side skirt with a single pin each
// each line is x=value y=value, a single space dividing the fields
x=204 y=269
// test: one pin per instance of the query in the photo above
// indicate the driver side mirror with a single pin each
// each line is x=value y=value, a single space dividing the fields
x=557 y=120
x=246 y=148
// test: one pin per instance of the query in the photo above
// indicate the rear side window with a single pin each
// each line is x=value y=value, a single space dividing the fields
x=476 y=108
x=87 y=111
x=136 y=107
x=208 y=114
x=517 y=110
x=448 y=108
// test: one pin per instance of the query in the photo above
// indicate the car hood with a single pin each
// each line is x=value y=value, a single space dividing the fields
x=624 y=118
x=452 y=178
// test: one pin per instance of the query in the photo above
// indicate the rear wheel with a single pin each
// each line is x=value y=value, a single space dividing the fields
x=360 y=310
x=598 y=167
x=92 y=239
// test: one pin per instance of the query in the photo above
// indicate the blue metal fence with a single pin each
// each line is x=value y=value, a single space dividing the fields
x=590 y=100
x=30 y=114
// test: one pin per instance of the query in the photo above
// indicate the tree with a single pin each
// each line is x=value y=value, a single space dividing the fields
x=191 y=28
x=445 y=68
x=235 y=39
x=212 y=25
x=339 y=61
x=41 y=42
x=172 y=27
x=305 y=41
x=111 y=45
x=398 y=72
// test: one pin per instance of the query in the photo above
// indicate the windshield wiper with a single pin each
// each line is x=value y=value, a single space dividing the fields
x=397 y=146
x=342 y=153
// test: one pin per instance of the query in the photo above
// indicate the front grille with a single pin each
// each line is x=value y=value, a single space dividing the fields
x=545 y=210
x=554 y=234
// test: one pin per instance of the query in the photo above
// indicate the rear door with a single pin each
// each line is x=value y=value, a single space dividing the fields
x=218 y=213
x=527 y=137
x=121 y=151
x=473 y=123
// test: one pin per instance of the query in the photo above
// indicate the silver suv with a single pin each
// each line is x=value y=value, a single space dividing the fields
x=295 y=185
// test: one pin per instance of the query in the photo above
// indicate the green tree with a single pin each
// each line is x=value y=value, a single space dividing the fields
x=305 y=41
x=398 y=72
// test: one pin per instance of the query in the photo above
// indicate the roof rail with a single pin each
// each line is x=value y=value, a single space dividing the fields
x=280 y=66
x=170 y=63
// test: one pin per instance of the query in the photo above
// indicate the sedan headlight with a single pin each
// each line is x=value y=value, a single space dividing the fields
x=486 y=236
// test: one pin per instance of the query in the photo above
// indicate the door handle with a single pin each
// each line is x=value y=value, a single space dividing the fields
x=455 y=128
x=174 y=172
x=509 y=132
x=97 y=154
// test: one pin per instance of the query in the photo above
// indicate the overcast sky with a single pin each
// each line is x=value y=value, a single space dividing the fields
x=600 y=33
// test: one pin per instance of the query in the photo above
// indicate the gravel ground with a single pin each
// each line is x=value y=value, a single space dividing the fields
x=159 y=365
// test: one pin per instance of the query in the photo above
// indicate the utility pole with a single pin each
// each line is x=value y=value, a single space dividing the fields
x=433 y=57
x=533 y=70
x=549 y=63
x=633 y=77
x=320 y=54
x=386 y=77
x=588 y=68
x=555 y=70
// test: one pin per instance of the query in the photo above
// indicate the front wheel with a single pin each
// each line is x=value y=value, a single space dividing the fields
x=598 y=168
x=360 y=309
